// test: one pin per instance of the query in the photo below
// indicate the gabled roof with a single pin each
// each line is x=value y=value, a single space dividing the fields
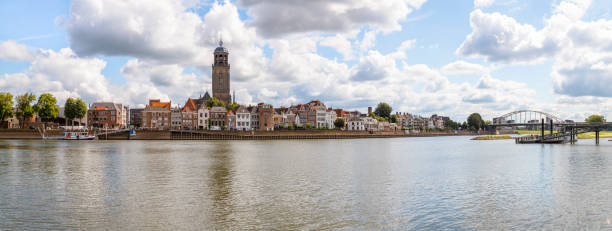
x=104 y=106
x=157 y=103
x=190 y=106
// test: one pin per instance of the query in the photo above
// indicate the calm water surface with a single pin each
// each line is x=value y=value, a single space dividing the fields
x=413 y=183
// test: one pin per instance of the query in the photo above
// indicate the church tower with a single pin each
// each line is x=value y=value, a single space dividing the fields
x=221 y=75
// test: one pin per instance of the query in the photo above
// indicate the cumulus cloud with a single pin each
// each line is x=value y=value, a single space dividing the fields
x=280 y=18
x=63 y=74
x=11 y=50
x=483 y=3
x=375 y=66
x=153 y=81
x=500 y=38
x=463 y=68
x=134 y=28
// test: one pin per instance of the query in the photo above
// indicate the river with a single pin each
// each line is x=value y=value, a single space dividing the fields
x=429 y=183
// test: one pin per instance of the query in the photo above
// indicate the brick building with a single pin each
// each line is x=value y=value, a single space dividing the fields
x=156 y=115
x=106 y=115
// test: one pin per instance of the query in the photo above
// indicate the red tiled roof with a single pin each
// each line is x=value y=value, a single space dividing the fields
x=190 y=106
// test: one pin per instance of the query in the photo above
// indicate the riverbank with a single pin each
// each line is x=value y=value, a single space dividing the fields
x=492 y=138
x=230 y=135
x=591 y=135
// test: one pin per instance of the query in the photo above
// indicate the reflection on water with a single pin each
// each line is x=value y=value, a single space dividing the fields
x=414 y=183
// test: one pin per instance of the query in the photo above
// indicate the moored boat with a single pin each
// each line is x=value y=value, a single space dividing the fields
x=78 y=136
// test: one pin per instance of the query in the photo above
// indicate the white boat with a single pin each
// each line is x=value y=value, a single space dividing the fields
x=78 y=136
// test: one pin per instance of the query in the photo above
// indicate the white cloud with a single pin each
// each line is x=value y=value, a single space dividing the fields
x=463 y=68
x=341 y=44
x=500 y=38
x=11 y=50
x=375 y=66
x=63 y=74
x=133 y=28
x=483 y=3
x=280 y=18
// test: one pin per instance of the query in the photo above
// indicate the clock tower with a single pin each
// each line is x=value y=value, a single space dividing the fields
x=221 y=75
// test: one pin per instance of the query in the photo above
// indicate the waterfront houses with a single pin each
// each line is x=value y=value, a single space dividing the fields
x=136 y=117
x=243 y=119
x=266 y=119
x=355 y=124
x=156 y=115
x=231 y=120
x=106 y=115
x=203 y=117
x=189 y=115
x=218 y=118
x=254 y=118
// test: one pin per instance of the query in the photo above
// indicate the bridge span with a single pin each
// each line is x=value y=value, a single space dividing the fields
x=567 y=129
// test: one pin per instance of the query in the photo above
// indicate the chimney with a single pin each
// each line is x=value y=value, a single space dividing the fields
x=369 y=110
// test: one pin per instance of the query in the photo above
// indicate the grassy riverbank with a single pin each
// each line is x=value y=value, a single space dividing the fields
x=591 y=135
x=534 y=132
x=492 y=138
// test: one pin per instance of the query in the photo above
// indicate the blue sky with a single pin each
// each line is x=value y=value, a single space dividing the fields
x=423 y=57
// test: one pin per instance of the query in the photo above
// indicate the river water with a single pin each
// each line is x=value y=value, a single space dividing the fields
x=362 y=184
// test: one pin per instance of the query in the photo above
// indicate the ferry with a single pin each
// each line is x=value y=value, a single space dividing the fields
x=79 y=136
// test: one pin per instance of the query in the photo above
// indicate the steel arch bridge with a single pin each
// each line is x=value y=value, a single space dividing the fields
x=526 y=117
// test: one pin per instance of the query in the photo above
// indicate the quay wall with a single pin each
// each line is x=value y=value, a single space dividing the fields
x=230 y=135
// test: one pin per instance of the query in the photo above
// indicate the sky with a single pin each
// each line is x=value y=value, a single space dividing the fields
x=421 y=56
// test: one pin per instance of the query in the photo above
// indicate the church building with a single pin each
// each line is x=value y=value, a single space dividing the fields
x=221 y=75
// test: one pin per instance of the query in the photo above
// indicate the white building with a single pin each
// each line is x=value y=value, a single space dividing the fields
x=243 y=119
x=330 y=118
x=203 y=116
x=355 y=124
x=370 y=124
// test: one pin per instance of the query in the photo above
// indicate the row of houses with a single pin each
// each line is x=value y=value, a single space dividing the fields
x=195 y=115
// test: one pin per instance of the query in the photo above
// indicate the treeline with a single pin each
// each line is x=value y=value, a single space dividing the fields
x=27 y=105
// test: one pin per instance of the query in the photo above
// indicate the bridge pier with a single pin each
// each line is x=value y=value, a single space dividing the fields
x=542 y=137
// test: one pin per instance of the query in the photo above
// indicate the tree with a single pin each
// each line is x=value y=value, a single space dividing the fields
x=339 y=123
x=232 y=106
x=595 y=119
x=81 y=109
x=475 y=122
x=70 y=109
x=383 y=110
x=452 y=124
x=6 y=105
x=24 y=107
x=212 y=102
x=393 y=118
x=74 y=108
x=46 y=107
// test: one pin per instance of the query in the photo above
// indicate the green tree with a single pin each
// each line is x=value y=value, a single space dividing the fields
x=46 y=107
x=232 y=106
x=6 y=105
x=70 y=109
x=475 y=122
x=383 y=110
x=212 y=102
x=595 y=119
x=339 y=123
x=25 y=110
x=393 y=118
x=81 y=109
x=74 y=109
